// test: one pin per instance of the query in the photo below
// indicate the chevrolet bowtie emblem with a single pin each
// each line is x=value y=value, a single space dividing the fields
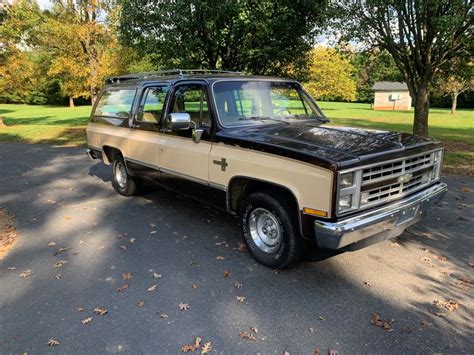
x=405 y=178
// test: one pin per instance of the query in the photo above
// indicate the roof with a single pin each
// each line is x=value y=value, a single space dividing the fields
x=174 y=75
x=389 y=86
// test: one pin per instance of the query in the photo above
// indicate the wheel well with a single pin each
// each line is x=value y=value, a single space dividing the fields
x=241 y=187
x=110 y=152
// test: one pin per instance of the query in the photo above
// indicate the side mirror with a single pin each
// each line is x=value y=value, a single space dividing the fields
x=178 y=121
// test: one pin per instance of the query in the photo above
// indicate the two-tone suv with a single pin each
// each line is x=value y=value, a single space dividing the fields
x=261 y=148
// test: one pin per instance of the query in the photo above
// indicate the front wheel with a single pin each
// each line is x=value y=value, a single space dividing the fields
x=122 y=181
x=270 y=231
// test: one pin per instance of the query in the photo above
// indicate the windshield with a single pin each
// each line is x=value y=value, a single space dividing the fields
x=241 y=102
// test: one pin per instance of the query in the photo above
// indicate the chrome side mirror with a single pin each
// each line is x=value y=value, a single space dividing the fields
x=177 y=121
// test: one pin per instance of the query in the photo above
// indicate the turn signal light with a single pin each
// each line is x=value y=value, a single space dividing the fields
x=313 y=212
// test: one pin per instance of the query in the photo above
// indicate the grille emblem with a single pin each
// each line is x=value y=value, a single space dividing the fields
x=405 y=178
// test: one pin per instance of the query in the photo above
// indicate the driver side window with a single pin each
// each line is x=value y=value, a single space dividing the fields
x=192 y=99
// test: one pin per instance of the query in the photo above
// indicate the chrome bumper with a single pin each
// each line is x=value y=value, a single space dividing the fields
x=383 y=223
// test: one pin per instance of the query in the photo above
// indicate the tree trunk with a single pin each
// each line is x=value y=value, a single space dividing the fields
x=454 y=103
x=1 y=122
x=422 y=106
x=71 y=102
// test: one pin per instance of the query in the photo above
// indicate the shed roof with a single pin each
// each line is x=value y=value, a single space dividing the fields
x=389 y=86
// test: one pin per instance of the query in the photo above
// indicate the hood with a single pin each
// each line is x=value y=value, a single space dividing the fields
x=336 y=146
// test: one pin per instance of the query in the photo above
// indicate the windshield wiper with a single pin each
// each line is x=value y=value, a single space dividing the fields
x=262 y=118
x=309 y=116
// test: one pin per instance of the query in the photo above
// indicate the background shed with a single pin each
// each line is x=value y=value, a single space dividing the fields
x=391 y=96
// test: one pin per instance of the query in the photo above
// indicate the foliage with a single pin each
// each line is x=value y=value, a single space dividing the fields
x=421 y=36
x=331 y=75
x=264 y=37
x=371 y=66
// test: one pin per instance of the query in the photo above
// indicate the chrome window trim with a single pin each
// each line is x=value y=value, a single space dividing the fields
x=358 y=187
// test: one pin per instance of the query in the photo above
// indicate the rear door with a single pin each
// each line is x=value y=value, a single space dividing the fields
x=144 y=137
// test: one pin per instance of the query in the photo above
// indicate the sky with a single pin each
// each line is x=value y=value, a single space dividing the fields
x=45 y=4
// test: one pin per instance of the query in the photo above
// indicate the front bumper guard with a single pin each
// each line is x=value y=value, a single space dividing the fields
x=383 y=223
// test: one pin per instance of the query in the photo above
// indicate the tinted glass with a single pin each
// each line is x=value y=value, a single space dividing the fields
x=115 y=103
x=193 y=100
x=256 y=102
x=154 y=99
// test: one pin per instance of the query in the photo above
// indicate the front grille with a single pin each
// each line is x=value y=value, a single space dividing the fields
x=388 y=181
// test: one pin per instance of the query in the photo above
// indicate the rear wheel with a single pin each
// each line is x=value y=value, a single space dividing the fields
x=122 y=181
x=270 y=231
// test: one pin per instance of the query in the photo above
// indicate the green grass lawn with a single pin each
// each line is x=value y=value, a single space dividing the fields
x=63 y=125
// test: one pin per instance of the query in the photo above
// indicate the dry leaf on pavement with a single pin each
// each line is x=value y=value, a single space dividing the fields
x=226 y=273
x=187 y=348
x=241 y=298
x=152 y=288
x=379 y=322
x=87 y=320
x=79 y=309
x=197 y=343
x=140 y=303
x=425 y=323
x=123 y=247
x=11 y=268
x=449 y=305
x=164 y=316
x=220 y=258
x=156 y=275
x=51 y=244
x=101 y=311
x=194 y=286
x=207 y=348
x=237 y=284
x=249 y=334
x=53 y=342
x=127 y=276
x=57 y=277
x=60 y=263
x=26 y=273
x=184 y=306
x=122 y=288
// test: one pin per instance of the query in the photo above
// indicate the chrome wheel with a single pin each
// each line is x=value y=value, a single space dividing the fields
x=265 y=230
x=121 y=175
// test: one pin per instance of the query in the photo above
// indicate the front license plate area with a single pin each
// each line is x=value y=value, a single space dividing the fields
x=407 y=215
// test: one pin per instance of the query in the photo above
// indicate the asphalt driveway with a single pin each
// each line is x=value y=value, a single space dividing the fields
x=420 y=284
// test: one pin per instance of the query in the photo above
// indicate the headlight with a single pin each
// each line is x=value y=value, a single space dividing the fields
x=346 y=180
x=345 y=202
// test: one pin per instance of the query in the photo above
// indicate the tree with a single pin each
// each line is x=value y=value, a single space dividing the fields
x=331 y=75
x=257 y=36
x=455 y=78
x=421 y=36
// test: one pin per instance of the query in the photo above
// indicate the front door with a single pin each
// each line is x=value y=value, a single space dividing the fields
x=180 y=157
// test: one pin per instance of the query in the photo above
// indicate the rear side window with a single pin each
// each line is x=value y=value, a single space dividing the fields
x=115 y=103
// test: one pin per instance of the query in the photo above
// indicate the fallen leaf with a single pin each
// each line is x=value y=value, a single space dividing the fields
x=241 y=247
x=140 y=303
x=311 y=329
x=286 y=353
x=442 y=258
x=322 y=318
x=51 y=244
x=465 y=189
x=132 y=240
x=317 y=351
x=127 y=276
x=470 y=264
x=368 y=284
x=379 y=322
x=123 y=247
x=79 y=309
x=53 y=342
x=102 y=247
x=26 y=273
x=194 y=286
x=226 y=273
x=276 y=271
x=11 y=268
x=152 y=232
x=122 y=288
x=394 y=244
x=237 y=284
x=152 y=288
x=57 y=277
x=155 y=275
x=197 y=343
x=425 y=323
x=449 y=305
x=60 y=250
x=207 y=348
x=87 y=320
x=186 y=348
x=332 y=352
x=164 y=316
x=220 y=258
x=249 y=335
x=184 y=306
x=101 y=311
x=60 y=263
x=152 y=225
x=241 y=298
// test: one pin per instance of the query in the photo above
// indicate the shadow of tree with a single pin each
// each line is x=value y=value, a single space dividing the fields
x=55 y=199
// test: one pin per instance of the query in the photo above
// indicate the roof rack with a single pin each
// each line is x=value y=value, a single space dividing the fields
x=178 y=72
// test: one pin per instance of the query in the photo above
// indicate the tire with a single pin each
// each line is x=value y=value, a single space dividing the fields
x=122 y=181
x=270 y=231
